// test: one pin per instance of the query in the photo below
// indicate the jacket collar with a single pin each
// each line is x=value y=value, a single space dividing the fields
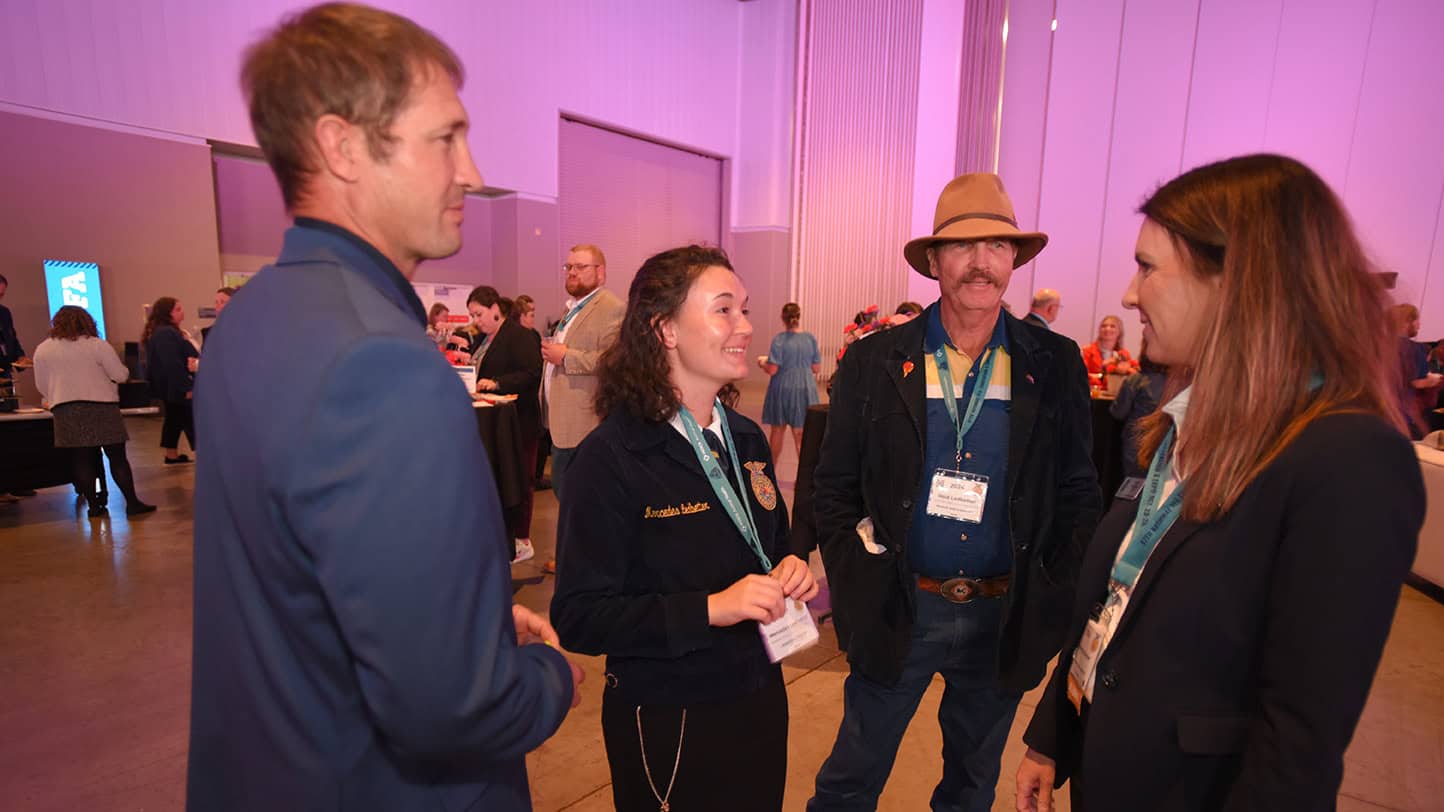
x=312 y=240
x=1031 y=365
x=643 y=435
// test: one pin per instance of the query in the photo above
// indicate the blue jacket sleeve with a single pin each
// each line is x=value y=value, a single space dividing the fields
x=404 y=528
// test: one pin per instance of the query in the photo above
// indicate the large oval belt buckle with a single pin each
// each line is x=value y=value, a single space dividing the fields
x=958 y=590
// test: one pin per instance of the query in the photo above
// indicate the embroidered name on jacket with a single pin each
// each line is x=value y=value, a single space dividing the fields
x=684 y=509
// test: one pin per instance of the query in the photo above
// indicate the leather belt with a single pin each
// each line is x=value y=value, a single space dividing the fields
x=963 y=589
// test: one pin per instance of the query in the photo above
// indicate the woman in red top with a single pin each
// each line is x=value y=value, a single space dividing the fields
x=1106 y=355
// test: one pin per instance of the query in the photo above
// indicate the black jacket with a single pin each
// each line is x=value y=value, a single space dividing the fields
x=1242 y=662
x=10 y=349
x=166 y=352
x=515 y=363
x=642 y=541
x=871 y=466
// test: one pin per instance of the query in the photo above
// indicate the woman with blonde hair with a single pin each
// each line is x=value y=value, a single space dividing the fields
x=1231 y=611
x=1107 y=355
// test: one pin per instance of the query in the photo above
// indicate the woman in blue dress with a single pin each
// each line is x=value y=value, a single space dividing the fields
x=792 y=362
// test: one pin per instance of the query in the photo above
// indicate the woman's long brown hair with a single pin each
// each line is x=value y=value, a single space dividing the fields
x=159 y=317
x=1300 y=328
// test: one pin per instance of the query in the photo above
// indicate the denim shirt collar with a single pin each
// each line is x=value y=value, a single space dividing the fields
x=937 y=335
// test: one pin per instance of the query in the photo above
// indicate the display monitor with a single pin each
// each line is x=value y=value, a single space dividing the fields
x=75 y=283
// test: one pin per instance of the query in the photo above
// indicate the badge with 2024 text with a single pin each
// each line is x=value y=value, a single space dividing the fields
x=762 y=487
x=958 y=495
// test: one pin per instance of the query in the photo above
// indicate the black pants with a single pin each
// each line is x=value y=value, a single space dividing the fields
x=518 y=516
x=543 y=450
x=178 y=418
x=87 y=467
x=733 y=754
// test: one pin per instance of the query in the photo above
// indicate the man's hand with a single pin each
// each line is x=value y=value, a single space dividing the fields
x=1035 y=782
x=485 y=385
x=531 y=628
x=795 y=577
x=553 y=352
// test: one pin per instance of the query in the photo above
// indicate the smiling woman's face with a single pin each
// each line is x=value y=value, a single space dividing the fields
x=1173 y=303
x=707 y=341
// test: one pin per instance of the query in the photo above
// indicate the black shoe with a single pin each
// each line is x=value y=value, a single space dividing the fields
x=23 y=492
x=98 y=512
x=181 y=460
x=138 y=508
x=542 y=484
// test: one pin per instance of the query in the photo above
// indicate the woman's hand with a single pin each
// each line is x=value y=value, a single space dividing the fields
x=796 y=578
x=485 y=385
x=753 y=597
x=1035 y=782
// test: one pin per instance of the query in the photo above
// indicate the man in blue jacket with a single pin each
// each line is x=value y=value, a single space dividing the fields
x=355 y=642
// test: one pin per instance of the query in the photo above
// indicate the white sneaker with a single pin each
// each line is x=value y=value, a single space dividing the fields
x=524 y=551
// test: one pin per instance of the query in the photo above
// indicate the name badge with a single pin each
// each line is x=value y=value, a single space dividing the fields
x=1085 y=663
x=1130 y=488
x=957 y=495
x=791 y=633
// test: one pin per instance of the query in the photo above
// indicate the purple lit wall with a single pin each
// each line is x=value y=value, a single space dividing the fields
x=1126 y=94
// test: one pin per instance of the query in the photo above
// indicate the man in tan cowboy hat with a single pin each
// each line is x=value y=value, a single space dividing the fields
x=954 y=496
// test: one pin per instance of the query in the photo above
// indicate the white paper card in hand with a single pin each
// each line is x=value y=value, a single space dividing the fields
x=791 y=633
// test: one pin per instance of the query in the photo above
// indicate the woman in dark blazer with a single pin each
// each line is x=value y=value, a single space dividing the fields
x=655 y=569
x=171 y=360
x=509 y=362
x=1229 y=618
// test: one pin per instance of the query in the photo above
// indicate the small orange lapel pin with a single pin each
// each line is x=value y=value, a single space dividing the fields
x=907 y=368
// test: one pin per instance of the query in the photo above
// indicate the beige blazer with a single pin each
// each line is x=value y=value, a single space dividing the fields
x=573 y=383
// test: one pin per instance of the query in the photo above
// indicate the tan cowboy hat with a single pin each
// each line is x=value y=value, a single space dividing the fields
x=974 y=207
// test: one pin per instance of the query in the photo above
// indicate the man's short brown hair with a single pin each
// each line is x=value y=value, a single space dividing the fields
x=343 y=59
x=590 y=249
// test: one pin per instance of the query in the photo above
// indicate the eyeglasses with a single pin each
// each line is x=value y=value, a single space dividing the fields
x=569 y=267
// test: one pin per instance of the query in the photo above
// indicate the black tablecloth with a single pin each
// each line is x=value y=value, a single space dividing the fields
x=500 y=429
x=1107 y=458
x=29 y=459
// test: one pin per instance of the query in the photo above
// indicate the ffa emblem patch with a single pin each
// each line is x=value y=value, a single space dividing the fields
x=907 y=368
x=762 y=486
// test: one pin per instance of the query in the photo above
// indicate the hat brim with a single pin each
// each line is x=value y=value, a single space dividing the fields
x=1029 y=243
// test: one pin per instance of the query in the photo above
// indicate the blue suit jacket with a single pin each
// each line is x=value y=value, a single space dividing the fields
x=354 y=645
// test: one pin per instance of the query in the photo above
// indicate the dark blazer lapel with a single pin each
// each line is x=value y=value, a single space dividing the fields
x=1030 y=364
x=911 y=382
x=1175 y=538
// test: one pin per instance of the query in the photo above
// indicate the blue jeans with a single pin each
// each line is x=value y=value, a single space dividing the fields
x=561 y=458
x=959 y=641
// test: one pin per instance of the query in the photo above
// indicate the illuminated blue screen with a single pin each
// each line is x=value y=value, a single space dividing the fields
x=75 y=283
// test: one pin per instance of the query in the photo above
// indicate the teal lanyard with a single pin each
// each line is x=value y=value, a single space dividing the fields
x=1153 y=520
x=731 y=502
x=567 y=319
x=975 y=401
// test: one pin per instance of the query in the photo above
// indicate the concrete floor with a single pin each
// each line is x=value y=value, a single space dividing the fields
x=95 y=633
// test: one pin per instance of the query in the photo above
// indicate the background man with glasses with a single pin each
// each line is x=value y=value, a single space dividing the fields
x=593 y=316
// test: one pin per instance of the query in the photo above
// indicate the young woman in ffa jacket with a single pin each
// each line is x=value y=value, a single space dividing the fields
x=1231 y=613
x=673 y=548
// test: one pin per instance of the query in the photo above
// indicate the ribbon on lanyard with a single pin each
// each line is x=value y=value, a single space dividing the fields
x=740 y=513
x=975 y=401
x=1153 y=520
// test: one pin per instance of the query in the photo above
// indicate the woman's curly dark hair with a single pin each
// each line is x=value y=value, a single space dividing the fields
x=634 y=374
x=71 y=322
